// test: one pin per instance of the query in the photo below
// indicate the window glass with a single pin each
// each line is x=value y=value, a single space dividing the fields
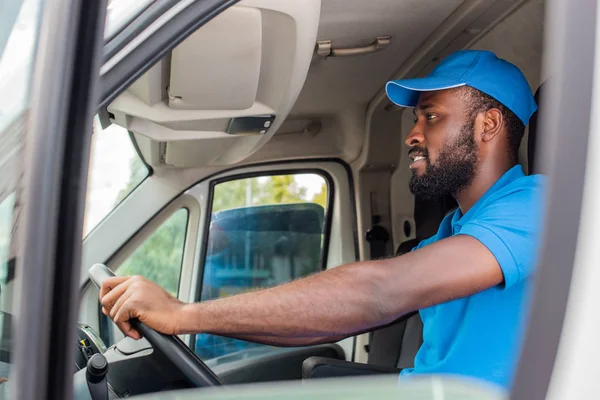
x=264 y=231
x=19 y=22
x=159 y=258
x=116 y=169
x=6 y=222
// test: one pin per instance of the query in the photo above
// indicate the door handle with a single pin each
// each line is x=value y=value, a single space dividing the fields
x=325 y=49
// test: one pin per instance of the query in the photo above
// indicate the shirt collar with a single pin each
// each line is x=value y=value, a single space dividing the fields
x=509 y=176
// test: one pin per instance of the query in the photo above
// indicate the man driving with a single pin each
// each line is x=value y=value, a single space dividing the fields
x=470 y=282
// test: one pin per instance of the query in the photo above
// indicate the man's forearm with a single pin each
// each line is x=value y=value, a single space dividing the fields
x=338 y=302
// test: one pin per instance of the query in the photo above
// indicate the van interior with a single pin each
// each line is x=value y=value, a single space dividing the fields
x=283 y=103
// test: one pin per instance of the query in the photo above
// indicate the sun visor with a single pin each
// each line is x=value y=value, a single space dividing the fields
x=218 y=67
x=224 y=91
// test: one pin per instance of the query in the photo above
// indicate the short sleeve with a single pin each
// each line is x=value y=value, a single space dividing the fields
x=424 y=243
x=510 y=226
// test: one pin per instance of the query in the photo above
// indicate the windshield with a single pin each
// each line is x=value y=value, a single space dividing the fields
x=116 y=169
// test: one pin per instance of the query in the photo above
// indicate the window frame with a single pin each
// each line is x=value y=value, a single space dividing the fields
x=277 y=172
x=134 y=26
x=201 y=264
x=569 y=104
x=126 y=22
x=62 y=102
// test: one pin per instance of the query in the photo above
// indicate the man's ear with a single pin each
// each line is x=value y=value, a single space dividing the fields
x=492 y=124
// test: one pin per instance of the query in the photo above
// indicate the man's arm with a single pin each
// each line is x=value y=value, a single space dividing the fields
x=336 y=303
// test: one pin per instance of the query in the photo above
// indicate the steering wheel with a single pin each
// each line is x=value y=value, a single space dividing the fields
x=171 y=347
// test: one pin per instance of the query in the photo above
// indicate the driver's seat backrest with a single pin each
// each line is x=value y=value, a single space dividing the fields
x=396 y=344
x=533 y=132
x=387 y=344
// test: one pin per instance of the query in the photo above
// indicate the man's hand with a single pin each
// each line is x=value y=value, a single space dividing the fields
x=124 y=298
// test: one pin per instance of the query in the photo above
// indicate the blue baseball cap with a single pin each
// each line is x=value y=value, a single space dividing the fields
x=481 y=70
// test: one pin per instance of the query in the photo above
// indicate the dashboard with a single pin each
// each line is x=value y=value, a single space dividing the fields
x=88 y=344
x=134 y=368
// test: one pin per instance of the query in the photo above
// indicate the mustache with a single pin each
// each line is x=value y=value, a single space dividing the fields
x=415 y=151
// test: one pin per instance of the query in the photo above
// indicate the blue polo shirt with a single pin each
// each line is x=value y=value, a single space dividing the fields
x=480 y=336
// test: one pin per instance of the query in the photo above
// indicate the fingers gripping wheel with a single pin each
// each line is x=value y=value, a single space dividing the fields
x=171 y=347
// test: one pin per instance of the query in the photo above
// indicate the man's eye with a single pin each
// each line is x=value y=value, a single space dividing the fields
x=431 y=117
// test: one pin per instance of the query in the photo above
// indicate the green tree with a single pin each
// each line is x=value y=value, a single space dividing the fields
x=277 y=189
x=321 y=197
x=283 y=189
x=159 y=258
x=234 y=194
x=138 y=172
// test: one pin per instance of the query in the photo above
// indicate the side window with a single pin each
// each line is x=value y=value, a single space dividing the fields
x=115 y=171
x=159 y=258
x=264 y=231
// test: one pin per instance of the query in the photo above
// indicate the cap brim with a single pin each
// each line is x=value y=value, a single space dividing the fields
x=405 y=93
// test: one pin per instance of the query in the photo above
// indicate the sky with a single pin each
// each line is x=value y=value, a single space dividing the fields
x=16 y=60
x=311 y=182
x=110 y=170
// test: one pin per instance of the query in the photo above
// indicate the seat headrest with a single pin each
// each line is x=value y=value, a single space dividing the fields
x=406 y=247
x=533 y=131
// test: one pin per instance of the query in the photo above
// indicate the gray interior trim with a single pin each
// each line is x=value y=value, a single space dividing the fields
x=562 y=152
x=149 y=52
x=62 y=104
x=136 y=26
x=284 y=364
x=130 y=23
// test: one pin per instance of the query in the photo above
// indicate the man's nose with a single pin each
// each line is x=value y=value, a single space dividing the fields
x=415 y=136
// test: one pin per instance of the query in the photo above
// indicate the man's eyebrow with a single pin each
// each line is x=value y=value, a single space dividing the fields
x=422 y=107
x=425 y=106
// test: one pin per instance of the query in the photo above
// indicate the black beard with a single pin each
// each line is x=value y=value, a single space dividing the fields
x=454 y=170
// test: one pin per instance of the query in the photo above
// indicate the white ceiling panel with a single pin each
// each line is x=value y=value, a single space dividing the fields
x=336 y=83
